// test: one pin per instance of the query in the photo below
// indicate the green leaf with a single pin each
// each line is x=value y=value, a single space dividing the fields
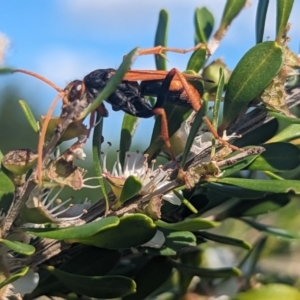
x=7 y=189
x=272 y=186
x=274 y=291
x=161 y=37
x=284 y=8
x=290 y=132
x=158 y=270
x=14 y=277
x=259 y=135
x=271 y=230
x=194 y=224
x=225 y=240
x=96 y=150
x=175 y=241
x=18 y=247
x=75 y=232
x=204 y=24
x=278 y=157
x=252 y=74
x=112 y=84
x=129 y=127
x=198 y=120
x=254 y=207
x=283 y=117
x=197 y=59
x=29 y=115
x=4 y=71
x=261 y=13
x=234 y=191
x=219 y=93
x=95 y=286
x=131 y=188
x=132 y=231
x=88 y=261
x=207 y=273
x=231 y=10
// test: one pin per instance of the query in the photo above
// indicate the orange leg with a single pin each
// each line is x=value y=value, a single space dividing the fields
x=159 y=50
x=192 y=93
x=216 y=136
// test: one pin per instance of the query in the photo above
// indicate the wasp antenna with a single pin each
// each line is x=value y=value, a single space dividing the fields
x=38 y=76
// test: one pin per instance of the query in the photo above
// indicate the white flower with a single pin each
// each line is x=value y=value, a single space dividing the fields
x=172 y=198
x=136 y=165
x=157 y=241
x=9 y=265
x=40 y=208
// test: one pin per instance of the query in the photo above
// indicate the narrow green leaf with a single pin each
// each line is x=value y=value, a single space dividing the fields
x=274 y=291
x=194 y=224
x=283 y=117
x=14 y=277
x=113 y=83
x=207 y=273
x=75 y=232
x=261 y=12
x=96 y=150
x=18 y=247
x=254 y=207
x=29 y=115
x=129 y=127
x=193 y=131
x=271 y=230
x=4 y=71
x=234 y=191
x=197 y=59
x=278 y=157
x=95 y=286
x=158 y=269
x=161 y=38
x=231 y=10
x=132 y=231
x=225 y=240
x=290 y=132
x=284 y=8
x=216 y=109
x=274 y=186
x=259 y=135
x=204 y=24
x=252 y=74
x=131 y=188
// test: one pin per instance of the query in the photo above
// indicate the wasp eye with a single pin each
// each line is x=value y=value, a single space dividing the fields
x=79 y=87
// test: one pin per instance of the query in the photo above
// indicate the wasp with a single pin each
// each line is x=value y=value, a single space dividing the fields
x=130 y=96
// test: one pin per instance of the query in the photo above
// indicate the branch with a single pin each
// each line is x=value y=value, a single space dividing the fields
x=242 y=125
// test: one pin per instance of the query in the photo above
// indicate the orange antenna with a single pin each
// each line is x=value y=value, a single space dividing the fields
x=42 y=138
x=40 y=77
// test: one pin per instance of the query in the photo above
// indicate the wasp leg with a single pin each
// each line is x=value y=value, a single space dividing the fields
x=221 y=140
x=193 y=95
x=159 y=50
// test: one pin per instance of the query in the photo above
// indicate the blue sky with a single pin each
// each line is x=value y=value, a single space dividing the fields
x=66 y=39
